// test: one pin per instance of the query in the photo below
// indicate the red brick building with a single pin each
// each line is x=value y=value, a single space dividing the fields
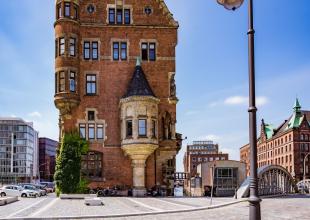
x=201 y=152
x=285 y=145
x=127 y=110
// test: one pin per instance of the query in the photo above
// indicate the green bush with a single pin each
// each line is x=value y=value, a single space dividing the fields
x=57 y=192
x=83 y=186
x=68 y=163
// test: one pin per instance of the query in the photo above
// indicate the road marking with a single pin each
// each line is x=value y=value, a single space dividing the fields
x=19 y=211
x=44 y=207
x=174 y=203
x=144 y=205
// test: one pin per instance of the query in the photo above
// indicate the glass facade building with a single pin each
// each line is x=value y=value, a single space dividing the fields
x=47 y=158
x=18 y=139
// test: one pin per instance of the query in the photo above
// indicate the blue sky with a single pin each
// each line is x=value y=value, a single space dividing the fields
x=212 y=78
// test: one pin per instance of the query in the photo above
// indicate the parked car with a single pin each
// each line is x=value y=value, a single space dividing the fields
x=13 y=190
x=29 y=186
x=302 y=188
x=49 y=186
x=41 y=188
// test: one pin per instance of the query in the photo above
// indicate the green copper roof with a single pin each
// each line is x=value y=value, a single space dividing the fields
x=297 y=117
x=138 y=63
x=295 y=120
x=297 y=106
x=269 y=131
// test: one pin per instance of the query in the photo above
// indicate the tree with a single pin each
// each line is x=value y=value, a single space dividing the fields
x=68 y=163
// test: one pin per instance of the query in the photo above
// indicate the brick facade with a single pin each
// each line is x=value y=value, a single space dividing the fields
x=92 y=24
x=201 y=152
x=286 y=145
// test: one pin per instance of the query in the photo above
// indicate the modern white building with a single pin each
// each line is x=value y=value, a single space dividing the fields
x=18 y=151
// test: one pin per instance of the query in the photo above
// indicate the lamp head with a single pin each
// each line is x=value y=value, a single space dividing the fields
x=231 y=4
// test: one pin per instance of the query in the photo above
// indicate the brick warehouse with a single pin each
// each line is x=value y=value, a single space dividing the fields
x=115 y=82
x=285 y=145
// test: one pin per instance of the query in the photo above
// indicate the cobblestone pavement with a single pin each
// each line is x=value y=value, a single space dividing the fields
x=290 y=207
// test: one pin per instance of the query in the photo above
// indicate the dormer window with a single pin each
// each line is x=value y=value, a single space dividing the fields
x=119 y=16
x=112 y=16
x=126 y=16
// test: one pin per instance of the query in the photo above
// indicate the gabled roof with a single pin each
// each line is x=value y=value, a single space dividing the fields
x=139 y=86
x=167 y=12
x=294 y=121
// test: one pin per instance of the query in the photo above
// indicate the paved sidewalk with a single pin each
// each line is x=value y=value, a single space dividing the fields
x=289 y=207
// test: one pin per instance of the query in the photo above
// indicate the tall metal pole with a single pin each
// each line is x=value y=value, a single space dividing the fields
x=304 y=177
x=254 y=200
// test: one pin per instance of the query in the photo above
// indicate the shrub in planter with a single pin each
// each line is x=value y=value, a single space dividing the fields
x=68 y=163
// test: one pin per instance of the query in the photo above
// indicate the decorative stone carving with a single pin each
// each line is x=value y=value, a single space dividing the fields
x=172 y=86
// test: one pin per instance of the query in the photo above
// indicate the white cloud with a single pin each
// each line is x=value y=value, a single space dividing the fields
x=210 y=137
x=35 y=114
x=260 y=101
x=191 y=112
x=236 y=100
x=214 y=104
x=243 y=100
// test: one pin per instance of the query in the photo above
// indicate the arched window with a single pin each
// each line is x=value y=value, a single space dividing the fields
x=92 y=165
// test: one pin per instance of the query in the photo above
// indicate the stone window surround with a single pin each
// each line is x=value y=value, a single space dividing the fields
x=119 y=40
x=90 y=40
x=85 y=73
x=148 y=41
x=95 y=122
x=149 y=120
x=114 y=6
x=67 y=71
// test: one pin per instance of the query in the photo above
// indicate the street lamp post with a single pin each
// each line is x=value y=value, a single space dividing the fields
x=254 y=200
x=304 y=177
x=39 y=171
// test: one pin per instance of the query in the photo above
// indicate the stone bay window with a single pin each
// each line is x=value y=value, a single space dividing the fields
x=67 y=9
x=139 y=108
x=65 y=81
x=93 y=61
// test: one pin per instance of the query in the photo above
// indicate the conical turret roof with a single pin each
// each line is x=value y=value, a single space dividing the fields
x=139 y=86
x=297 y=106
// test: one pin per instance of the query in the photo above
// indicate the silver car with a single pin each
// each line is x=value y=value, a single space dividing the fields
x=13 y=190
